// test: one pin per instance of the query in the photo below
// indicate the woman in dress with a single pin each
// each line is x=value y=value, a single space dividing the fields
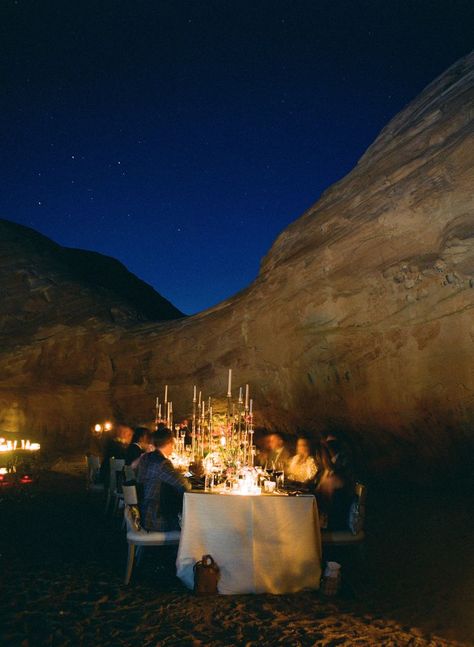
x=302 y=467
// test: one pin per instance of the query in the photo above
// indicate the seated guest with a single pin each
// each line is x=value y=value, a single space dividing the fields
x=139 y=444
x=162 y=485
x=263 y=451
x=115 y=445
x=302 y=467
x=336 y=488
x=185 y=428
x=278 y=455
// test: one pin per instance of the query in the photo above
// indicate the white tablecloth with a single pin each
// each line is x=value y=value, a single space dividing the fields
x=262 y=544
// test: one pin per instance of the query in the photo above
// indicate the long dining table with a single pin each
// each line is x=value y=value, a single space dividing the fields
x=268 y=543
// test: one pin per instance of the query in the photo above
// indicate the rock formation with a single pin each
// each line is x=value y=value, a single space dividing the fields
x=361 y=317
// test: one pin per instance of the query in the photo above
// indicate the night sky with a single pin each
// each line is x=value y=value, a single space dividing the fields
x=182 y=137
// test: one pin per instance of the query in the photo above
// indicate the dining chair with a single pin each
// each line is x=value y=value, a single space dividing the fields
x=129 y=474
x=346 y=537
x=114 y=494
x=138 y=538
x=92 y=471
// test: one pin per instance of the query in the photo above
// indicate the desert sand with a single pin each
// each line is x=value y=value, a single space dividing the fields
x=62 y=565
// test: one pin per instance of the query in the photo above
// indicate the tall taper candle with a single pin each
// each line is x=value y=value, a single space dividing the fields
x=229 y=384
x=240 y=395
x=246 y=396
x=194 y=394
x=166 y=393
x=251 y=406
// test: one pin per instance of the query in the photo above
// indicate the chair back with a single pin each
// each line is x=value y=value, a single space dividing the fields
x=92 y=467
x=131 y=515
x=361 y=494
x=115 y=465
x=129 y=474
x=130 y=494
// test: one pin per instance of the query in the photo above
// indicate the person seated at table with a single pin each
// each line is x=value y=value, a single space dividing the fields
x=263 y=450
x=138 y=446
x=335 y=491
x=162 y=485
x=278 y=455
x=115 y=445
x=302 y=467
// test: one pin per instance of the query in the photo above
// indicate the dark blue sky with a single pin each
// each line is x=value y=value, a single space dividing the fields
x=182 y=137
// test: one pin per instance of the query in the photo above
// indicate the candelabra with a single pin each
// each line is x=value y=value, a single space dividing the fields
x=224 y=440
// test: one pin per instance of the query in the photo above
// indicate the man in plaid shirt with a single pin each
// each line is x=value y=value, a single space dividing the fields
x=162 y=486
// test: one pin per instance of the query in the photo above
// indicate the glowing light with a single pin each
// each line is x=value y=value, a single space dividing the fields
x=98 y=428
x=25 y=445
x=107 y=426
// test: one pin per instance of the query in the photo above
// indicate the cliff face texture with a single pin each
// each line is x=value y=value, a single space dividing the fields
x=361 y=318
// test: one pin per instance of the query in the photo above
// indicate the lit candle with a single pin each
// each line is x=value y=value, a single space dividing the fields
x=194 y=393
x=229 y=384
x=166 y=393
x=246 y=396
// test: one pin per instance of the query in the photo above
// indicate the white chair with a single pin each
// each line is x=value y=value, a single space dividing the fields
x=92 y=471
x=346 y=537
x=129 y=474
x=115 y=465
x=141 y=538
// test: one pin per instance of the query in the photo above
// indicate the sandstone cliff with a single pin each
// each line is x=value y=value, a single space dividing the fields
x=361 y=318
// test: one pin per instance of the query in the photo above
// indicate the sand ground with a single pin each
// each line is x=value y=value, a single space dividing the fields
x=62 y=562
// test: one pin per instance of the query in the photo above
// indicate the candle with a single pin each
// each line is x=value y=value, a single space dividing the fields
x=159 y=411
x=251 y=406
x=246 y=396
x=240 y=395
x=229 y=384
x=166 y=393
x=199 y=401
x=194 y=394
